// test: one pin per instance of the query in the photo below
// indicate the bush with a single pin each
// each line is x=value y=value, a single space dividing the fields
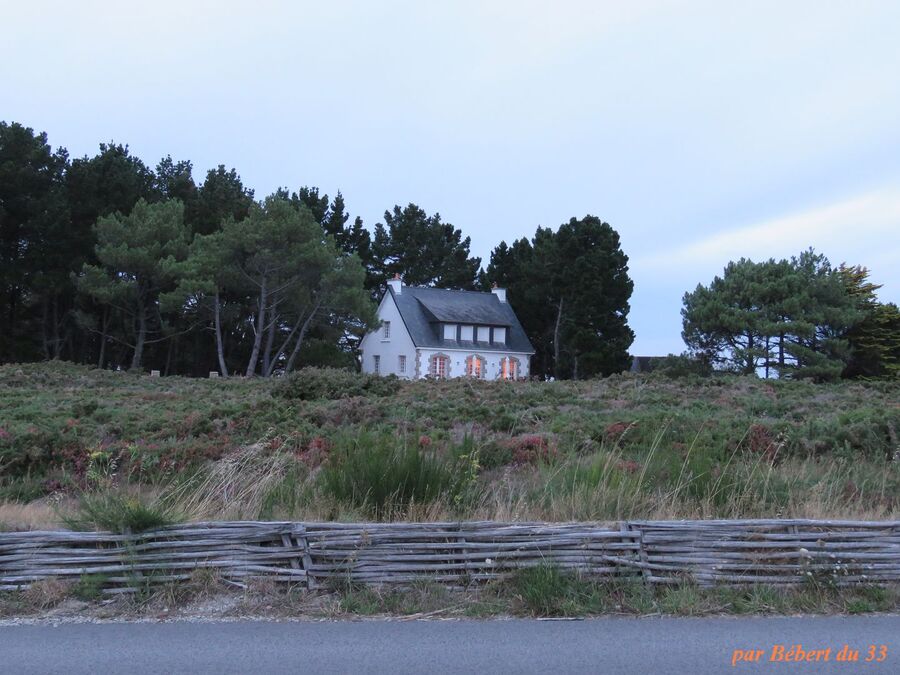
x=380 y=473
x=115 y=512
x=677 y=366
x=308 y=384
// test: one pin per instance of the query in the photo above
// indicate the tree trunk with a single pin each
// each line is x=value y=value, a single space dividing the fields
x=57 y=341
x=169 y=352
x=267 y=363
x=767 y=357
x=287 y=341
x=303 y=330
x=45 y=339
x=559 y=314
x=141 y=338
x=220 y=348
x=101 y=362
x=260 y=328
x=750 y=366
x=780 y=355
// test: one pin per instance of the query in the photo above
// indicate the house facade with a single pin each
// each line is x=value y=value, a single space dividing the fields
x=440 y=333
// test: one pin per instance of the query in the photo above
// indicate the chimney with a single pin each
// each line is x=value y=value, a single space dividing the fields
x=396 y=284
x=499 y=292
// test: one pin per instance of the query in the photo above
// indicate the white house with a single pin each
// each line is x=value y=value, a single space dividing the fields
x=440 y=333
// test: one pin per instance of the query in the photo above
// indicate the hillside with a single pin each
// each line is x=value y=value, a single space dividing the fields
x=625 y=446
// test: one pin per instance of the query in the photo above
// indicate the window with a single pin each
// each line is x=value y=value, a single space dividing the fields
x=377 y=365
x=467 y=333
x=484 y=333
x=440 y=366
x=401 y=363
x=387 y=330
x=509 y=368
x=475 y=367
x=500 y=335
x=449 y=331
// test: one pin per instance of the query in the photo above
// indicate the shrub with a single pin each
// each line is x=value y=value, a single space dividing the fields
x=115 y=512
x=308 y=384
x=380 y=473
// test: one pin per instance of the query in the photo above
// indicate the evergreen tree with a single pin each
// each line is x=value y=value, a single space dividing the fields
x=132 y=251
x=570 y=290
x=790 y=316
x=112 y=181
x=423 y=250
x=173 y=180
x=221 y=196
x=875 y=339
x=724 y=324
x=38 y=246
x=350 y=238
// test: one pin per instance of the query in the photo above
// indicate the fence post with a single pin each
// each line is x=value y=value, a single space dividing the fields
x=628 y=526
x=303 y=542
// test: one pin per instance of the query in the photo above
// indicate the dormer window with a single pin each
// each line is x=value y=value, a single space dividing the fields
x=484 y=334
x=467 y=333
x=450 y=331
x=500 y=336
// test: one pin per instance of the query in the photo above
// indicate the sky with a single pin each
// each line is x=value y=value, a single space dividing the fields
x=701 y=131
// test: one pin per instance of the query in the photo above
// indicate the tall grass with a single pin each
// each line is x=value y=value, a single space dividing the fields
x=381 y=473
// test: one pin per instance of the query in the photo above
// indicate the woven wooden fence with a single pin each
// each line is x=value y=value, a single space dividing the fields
x=312 y=554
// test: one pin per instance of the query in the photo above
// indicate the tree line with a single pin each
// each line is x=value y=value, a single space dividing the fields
x=107 y=261
x=799 y=318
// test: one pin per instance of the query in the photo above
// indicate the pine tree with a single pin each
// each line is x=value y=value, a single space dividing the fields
x=423 y=250
x=875 y=339
x=570 y=290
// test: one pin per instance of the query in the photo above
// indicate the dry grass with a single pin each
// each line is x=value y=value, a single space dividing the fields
x=234 y=488
x=41 y=514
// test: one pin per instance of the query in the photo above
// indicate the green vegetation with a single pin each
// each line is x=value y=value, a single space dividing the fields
x=380 y=475
x=799 y=318
x=570 y=289
x=114 y=512
x=623 y=447
x=536 y=592
x=331 y=384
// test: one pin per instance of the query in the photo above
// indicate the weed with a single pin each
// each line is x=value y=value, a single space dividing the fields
x=89 y=587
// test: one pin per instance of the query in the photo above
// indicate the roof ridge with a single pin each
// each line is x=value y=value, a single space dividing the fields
x=450 y=290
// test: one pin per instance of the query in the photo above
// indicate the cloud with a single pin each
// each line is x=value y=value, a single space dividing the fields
x=862 y=229
x=859 y=230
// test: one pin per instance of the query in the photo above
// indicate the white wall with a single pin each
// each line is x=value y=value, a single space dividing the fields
x=458 y=362
x=391 y=348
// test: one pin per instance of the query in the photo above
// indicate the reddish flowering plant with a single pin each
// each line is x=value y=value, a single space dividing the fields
x=315 y=452
x=531 y=449
x=629 y=465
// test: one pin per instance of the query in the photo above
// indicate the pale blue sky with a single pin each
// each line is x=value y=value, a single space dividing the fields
x=702 y=131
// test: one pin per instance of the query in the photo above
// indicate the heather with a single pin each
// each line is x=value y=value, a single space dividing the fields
x=328 y=444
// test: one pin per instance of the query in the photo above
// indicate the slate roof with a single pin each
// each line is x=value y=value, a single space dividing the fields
x=423 y=310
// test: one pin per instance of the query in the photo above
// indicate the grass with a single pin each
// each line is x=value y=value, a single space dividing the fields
x=535 y=592
x=380 y=475
x=116 y=512
x=326 y=445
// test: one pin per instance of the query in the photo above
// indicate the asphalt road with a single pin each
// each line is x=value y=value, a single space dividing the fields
x=614 y=645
